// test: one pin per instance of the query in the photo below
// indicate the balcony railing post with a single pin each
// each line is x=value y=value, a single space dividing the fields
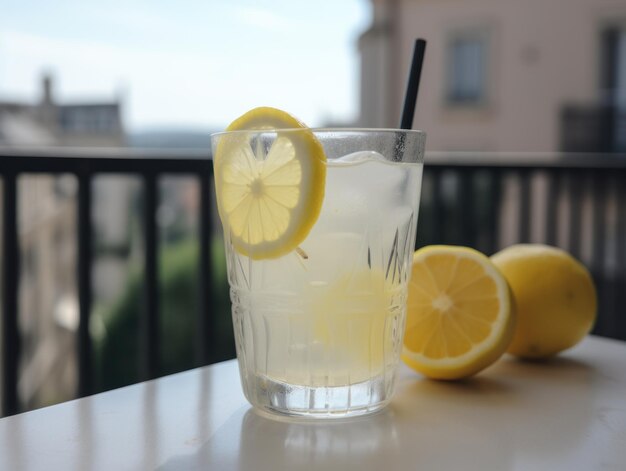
x=149 y=324
x=493 y=212
x=206 y=320
x=465 y=202
x=438 y=206
x=575 y=196
x=552 y=206
x=525 y=207
x=10 y=296
x=605 y=321
x=84 y=263
x=620 y=255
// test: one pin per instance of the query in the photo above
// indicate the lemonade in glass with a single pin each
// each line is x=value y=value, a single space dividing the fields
x=319 y=228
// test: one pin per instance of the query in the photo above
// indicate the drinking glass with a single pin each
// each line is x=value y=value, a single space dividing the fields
x=319 y=330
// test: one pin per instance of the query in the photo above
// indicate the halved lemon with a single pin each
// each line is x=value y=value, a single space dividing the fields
x=460 y=317
x=269 y=192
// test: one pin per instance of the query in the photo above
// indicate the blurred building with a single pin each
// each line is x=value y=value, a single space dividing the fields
x=501 y=75
x=48 y=122
x=47 y=233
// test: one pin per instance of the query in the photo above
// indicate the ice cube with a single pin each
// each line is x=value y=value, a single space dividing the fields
x=361 y=156
x=379 y=177
x=334 y=253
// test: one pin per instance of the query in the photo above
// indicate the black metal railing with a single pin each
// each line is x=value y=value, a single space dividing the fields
x=466 y=200
x=85 y=165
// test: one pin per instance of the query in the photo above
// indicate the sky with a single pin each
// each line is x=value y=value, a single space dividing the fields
x=188 y=63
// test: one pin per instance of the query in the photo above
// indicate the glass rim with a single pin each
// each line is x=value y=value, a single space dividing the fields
x=416 y=132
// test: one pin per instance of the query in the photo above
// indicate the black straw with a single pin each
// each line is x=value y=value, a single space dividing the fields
x=410 y=99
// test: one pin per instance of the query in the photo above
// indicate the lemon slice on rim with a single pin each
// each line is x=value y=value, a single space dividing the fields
x=460 y=317
x=269 y=193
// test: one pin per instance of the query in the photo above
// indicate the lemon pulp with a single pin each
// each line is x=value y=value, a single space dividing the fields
x=269 y=199
x=459 y=314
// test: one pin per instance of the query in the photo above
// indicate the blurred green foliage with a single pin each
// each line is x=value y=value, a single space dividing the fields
x=117 y=351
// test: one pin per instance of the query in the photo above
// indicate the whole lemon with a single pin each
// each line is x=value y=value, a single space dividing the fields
x=555 y=298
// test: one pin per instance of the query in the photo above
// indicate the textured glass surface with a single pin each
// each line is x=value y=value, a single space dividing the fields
x=319 y=330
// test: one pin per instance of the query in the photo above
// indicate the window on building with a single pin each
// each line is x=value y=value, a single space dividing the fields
x=467 y=69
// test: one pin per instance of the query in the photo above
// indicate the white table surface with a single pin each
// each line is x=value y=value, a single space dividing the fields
x=567 y=414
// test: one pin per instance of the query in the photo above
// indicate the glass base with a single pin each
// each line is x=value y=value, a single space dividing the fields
x=277 y=397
